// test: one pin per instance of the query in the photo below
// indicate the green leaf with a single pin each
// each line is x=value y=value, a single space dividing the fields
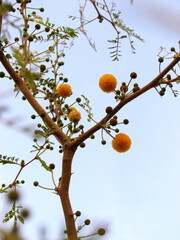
x=45 y=166
x=8 y=162
x=21 y=219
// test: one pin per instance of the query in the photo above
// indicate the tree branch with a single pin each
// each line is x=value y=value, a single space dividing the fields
x=123 y=102
x=63 y=192
x=56 y=131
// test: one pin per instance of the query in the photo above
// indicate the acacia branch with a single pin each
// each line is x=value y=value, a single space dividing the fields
x=123 y=102
x=56 y=131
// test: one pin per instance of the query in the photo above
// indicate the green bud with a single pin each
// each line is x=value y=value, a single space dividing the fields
x=78 y=213
x=101 y=231
x=87 y=222
x=108 y=110
x=133 y=75
x=35 y=183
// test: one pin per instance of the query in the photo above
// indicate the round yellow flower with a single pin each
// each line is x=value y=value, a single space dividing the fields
x=74 y=115
x=121 y=142
x=107 y=83
x=64 y=90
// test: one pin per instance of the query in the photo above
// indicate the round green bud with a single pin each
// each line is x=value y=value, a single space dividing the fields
x=135 y=89
x=81 y=126
x=33 y=116
x=101 y=231
x=172 y=49
x=35 y=183
x=23 y=98
x=13 y=195
x=51 y=166
x=30 y=38
x=16 y=39
x=125 y=121
x=60 y=63
x=25 y=213
x=117 y=92
x=3 y=185
x=108 y=110
x=78 y=100
x=37 y=26
x=113 y=122
x=2 y=74
x=47 y=29
x=78 y=213
x=22 y=181
x=41 y=9
x=42 y=68
x=124 y=88
x=168 y=76
x=161 y=93
x=161 y=59
x=87 y=221
x=103 y=142
x=116 y=130
x=82 y=145
x=43 y=114
x=133 y=75
x=65 y=79
x=92 y=136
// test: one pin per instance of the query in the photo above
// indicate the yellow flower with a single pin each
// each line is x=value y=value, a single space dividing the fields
x=107 y=83
x=121 y=142
x=74 y=115
x=64 y=90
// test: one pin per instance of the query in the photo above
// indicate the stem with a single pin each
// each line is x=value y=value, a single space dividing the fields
x=63 y=192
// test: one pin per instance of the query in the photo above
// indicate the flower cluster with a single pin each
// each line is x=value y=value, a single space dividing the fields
x=121 y=142
x=107 y=83
x=74 y=115
x=64 y=90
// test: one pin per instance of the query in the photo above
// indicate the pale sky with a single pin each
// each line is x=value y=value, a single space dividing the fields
x=137 y=193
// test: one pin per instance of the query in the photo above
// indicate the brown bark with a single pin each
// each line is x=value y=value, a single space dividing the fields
x=63 y=192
